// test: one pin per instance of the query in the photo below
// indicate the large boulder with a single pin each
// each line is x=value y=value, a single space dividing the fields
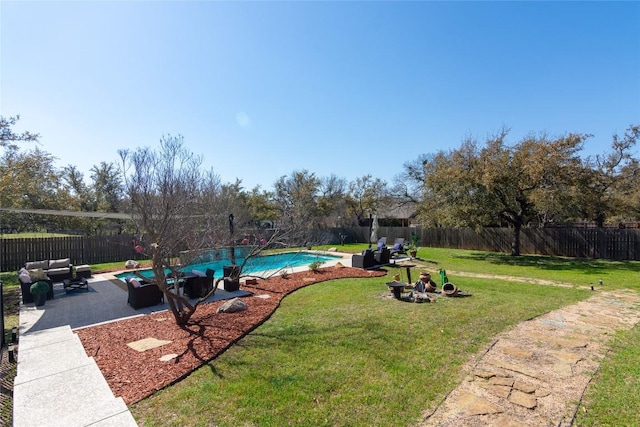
x=232 y=306
x=131 y=264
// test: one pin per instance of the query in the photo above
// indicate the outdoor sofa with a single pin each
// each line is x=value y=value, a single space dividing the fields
x=56 y=269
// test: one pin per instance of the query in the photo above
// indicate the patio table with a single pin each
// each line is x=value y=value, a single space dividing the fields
x=74 y=284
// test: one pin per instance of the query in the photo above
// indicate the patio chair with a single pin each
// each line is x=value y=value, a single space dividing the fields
x=398 y=247
x=199 y=286
x=143 y=295
x=382 y=256
x=366 y=260
x=382 y=243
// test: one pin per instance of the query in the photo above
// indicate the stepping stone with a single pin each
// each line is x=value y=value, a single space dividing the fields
x=168 y=357
x=147 y=344
x=523 y=399
x=471 y=404
x=566 y=356
x=512 y=351
x=499 y=390
x=524 y=387
x=562 y=342
x=502 y=381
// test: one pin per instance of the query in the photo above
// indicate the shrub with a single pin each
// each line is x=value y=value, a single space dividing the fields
x=40 y=287
x=315 y=265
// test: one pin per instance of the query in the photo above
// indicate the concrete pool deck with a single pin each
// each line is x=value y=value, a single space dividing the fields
x=56 y=383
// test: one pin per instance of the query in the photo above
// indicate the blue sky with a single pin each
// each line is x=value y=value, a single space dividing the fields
x=261 y=89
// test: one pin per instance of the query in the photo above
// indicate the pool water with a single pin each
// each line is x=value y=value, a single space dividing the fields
x=254 y=265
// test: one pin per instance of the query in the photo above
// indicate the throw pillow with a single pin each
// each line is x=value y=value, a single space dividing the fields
x=38 y=274
x=135 y=283
x=24 y=277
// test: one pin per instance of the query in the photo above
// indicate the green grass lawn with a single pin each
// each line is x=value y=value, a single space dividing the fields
x=35 y=234
x=338 y=353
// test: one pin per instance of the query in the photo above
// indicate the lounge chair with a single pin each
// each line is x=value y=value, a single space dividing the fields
x=398 y=247
x=382 y=243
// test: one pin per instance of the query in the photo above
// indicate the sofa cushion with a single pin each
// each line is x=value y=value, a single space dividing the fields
x=37 y=274
x=59 y=263
x=57 y=271
x=33 y=265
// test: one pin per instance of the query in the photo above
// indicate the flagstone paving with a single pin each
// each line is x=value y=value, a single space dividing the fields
x=536 y=374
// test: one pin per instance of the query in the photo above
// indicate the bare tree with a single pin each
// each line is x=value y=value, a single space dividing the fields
x=181 y=211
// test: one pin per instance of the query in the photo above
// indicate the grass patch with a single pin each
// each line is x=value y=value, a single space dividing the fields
x=340 y=354
x=581 y=272
x=37 y=235
x=613 y=397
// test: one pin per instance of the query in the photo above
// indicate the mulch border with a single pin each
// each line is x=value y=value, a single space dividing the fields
x=207 y=336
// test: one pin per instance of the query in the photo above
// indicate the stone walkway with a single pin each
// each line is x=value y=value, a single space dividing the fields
x=536 y=374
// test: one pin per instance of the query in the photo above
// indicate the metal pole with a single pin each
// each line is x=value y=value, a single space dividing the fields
x=370 y=229
x=232 y=250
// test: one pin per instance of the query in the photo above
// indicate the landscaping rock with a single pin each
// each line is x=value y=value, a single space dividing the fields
x=233 y=306
x=131 y=264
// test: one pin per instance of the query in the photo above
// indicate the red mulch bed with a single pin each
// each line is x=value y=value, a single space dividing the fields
x=135 y=375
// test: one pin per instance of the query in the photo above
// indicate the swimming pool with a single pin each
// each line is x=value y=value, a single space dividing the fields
x=254 y=265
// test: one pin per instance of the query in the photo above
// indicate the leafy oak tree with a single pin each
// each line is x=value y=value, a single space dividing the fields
x=606 y=186
x=495 y=183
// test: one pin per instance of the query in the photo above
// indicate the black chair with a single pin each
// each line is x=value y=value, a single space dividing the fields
x=366 y=260
x=145 y=295
x=382 y=256
x=197 y=287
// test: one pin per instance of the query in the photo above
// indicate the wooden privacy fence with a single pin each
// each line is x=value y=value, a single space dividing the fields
x=81 y=249
x=603 y=243
x=616 y=244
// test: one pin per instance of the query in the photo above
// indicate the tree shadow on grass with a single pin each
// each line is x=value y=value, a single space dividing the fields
x=552 y=263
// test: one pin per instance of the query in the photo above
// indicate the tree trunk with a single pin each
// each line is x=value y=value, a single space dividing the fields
x=515 y=242
x=180 y=307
